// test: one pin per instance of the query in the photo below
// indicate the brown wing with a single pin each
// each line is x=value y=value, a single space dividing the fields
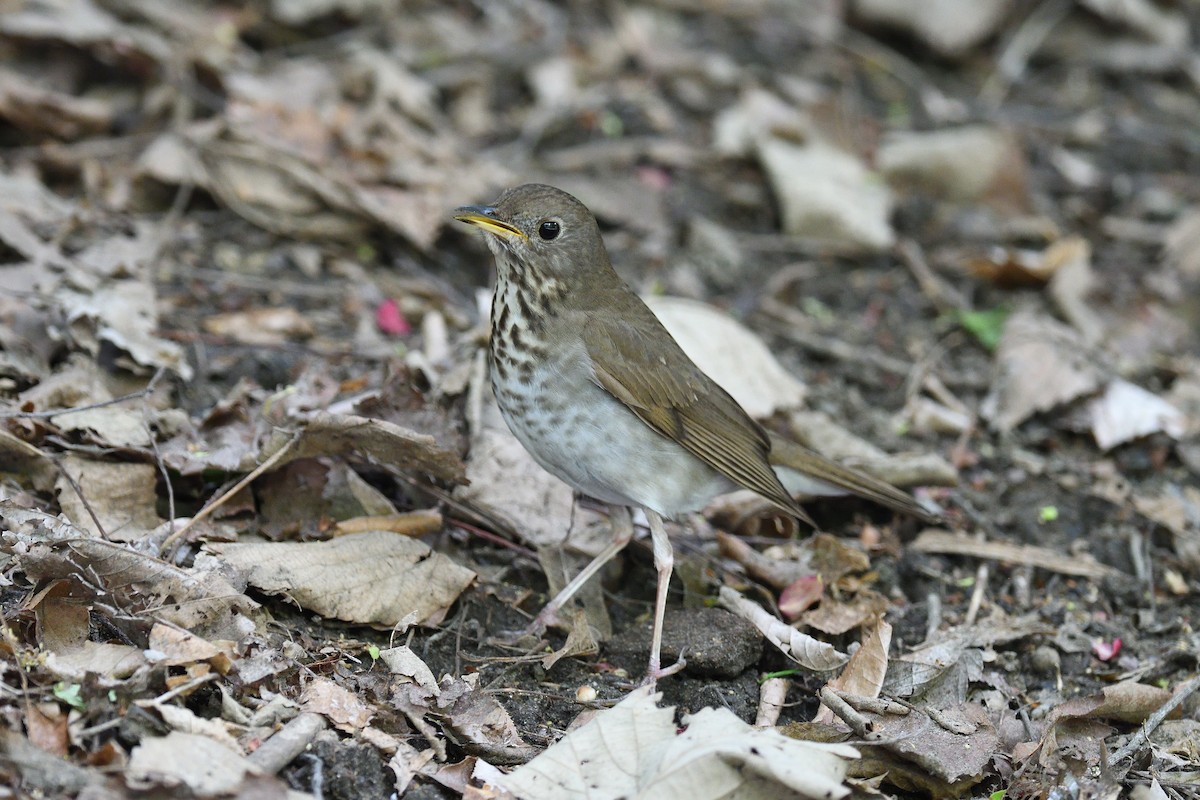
x=785 y=453
x=639 y=363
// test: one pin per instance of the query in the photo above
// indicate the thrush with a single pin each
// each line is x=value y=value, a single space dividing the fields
x=601 y=395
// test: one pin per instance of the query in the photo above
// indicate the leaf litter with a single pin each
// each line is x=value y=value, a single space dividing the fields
x=244 y=424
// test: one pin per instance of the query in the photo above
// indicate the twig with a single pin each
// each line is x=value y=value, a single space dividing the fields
x=143 y=392
x=183 y=688
x=771 y=696
x=1020 y=47
x=62 y=470
x=944 y=296
x=220 y=501
x=982 y=572
x=290 y=741
x=1153 y=721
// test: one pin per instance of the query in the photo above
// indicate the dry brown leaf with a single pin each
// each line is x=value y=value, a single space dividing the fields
x=818 y=431
x=951 y=28
x=41 y=110
x=118 y=307
x=46 y=725
x=504 y=480
x=1072 y=286
x=261 y=326
x=386 y=443
x=401 y=660
x=340 y=706
x=205 y=767
x=122 y=496
x=22 y=458
x=375 y=578
x=1040 y=364
x=956 y=163
x=175 y=647
x=837 y=616
x=200 y=599
x=943 y=757
x=839 y=200
x=478 y=720
x=1081 y=564
x=864 y=673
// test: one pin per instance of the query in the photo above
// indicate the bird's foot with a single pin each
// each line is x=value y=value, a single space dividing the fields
x=655 y=670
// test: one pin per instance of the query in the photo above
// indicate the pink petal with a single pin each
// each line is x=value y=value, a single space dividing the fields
x=390 y=319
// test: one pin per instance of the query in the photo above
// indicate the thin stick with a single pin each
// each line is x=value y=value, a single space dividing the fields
x=207 y=511
x=143 y=392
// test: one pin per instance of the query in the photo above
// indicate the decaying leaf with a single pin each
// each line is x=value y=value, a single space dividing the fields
x=200 y=599
x=374 y=578
x=508 y=484
x=326 y=434
x=122 y=497
x=956 y=163
x=339 y=705
x=863 y=675
x=206 y=768
x=1040 y=364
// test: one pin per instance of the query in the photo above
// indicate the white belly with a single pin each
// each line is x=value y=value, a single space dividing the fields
x=600 y=447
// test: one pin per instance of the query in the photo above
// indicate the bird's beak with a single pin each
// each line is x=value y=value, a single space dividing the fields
x=485 y=217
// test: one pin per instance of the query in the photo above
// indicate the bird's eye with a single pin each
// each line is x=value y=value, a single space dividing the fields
x=549 y=230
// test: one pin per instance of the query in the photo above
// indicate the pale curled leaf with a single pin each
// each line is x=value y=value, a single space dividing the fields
x=956 y=163
x=339 y=705
x=633 y=751
x=506 y=482
x=1040 y=364
x=373 y=578
x=839 y=200
x=604 y=758
x=801 y=648
x=401 y=660
x=720 y=756
x=1124 y=411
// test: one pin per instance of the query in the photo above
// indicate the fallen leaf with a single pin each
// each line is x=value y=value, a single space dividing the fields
x=373 y=578
x=633 y=750
x=1040 y=364
x=206 y=768
x=1124 y=411
x=340 y=706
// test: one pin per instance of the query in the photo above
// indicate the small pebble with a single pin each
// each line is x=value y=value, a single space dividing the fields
x=1045 y=660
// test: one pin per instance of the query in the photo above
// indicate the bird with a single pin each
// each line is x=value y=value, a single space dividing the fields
x=602 y=396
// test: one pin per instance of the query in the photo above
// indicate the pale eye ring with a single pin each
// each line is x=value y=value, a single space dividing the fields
x=549 y=230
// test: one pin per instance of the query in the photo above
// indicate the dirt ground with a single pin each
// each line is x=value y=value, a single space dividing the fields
x=241 y=396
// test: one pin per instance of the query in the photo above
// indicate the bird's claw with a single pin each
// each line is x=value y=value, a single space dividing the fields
x=655 y=670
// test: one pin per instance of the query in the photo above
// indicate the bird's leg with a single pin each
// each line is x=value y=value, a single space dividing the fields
x=664 y=561
x=622 y=534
